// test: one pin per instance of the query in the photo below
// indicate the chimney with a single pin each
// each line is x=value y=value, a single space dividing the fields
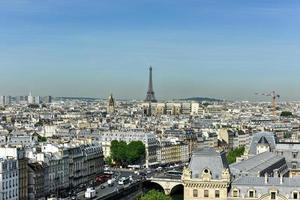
x=266 y=178
x=281 y=179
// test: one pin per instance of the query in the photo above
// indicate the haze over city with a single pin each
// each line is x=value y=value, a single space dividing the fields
x=221 y=49
x=149 y=100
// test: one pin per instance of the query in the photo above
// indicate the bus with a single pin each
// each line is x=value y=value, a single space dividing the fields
x=102 y=178
x=133 y=167
x=174 y=173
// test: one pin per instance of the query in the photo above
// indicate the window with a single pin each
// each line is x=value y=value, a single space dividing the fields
x=251 y=193
x=217 y=194
x=295 y=195
x=235 y=193
x=206 y=193
x=294 y=165
x=273 y=195
x=195 y=193
x=295 y=154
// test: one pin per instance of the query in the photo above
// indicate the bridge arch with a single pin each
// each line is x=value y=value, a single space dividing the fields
x=168 y=185
x=177 y=189
x=149 y=185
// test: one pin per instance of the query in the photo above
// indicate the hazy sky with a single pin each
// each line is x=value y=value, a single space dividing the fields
x=215 y=48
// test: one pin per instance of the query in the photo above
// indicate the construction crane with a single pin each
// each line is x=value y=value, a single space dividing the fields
x=274 y=96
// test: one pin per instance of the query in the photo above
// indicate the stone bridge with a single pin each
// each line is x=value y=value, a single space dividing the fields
x=167 y=184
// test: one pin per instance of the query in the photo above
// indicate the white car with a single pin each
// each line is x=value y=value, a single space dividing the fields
x=90 y=193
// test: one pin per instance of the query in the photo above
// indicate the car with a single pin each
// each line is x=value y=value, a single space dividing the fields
x=158 y=169
x=73 y=197
x=106 y=169
x=109 y=172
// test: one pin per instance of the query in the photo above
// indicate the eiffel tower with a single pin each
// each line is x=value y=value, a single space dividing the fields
x=150 y=97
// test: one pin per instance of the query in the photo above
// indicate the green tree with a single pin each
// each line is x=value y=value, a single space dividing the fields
x=155 y=195
x=108 y=161
x=286 y=114
x=39 y=137
x=39 y=123
x=124 y=154
x=33 y=106
x=287 y=135
x=233 y=154
x=42 y=139
x=119 y=152
x=136 y=152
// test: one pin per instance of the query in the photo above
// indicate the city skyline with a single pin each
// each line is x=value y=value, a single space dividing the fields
x=201 y=48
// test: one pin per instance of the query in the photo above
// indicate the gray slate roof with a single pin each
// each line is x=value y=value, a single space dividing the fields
x=208 y=158
x=257 y=163
x=263 y=140
x=288 y=186
x=269 y=136
x=272 y=181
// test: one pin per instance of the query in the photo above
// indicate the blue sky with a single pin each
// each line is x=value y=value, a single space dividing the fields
x=216 y=48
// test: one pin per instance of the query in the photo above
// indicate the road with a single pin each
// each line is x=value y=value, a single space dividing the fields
x=118 y=173
x=108 y=190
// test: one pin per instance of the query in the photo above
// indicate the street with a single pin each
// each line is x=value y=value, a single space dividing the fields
x=107 y=189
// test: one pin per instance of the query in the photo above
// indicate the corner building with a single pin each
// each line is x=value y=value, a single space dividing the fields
x=207 y=176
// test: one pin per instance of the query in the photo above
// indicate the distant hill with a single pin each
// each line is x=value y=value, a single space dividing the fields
x=76 y=98
x=200 y=99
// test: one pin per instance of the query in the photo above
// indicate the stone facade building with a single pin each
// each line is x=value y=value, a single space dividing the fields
x=207 y=177
x=263 y=174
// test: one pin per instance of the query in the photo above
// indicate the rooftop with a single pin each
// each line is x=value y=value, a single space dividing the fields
x=272 y=181
x=256 y=164
x=208 y=158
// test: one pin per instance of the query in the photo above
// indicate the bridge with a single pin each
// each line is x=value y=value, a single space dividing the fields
x=168 y=184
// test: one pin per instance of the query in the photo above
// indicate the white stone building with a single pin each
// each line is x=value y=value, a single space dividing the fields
x=9 y=179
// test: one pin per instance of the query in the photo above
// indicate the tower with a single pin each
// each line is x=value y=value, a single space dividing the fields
x=111 y=104
x=30 y=99
x=150 y=97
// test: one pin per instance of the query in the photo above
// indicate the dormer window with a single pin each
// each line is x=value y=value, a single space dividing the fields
x=294 y=165
x=273 y=195
x=295 y=154
x=251 y=193
x=235 y=193
x=295 y=195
